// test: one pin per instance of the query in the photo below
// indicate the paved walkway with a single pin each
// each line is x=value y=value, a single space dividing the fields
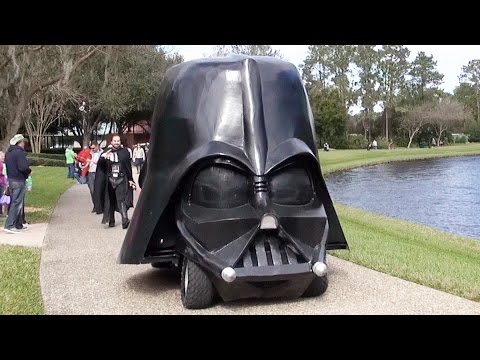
x=79 y=274
x=32 y=237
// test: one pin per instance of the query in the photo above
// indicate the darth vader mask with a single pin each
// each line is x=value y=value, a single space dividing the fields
x=232 y=181
x=245 y=220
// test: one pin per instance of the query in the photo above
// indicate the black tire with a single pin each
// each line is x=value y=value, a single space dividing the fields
x=317 y=287
x=196 y=288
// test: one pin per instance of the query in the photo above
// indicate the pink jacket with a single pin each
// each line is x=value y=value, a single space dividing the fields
x=3 y=178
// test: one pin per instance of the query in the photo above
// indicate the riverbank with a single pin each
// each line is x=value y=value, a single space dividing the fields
x=409 y=251
x=412 y=252
x=337 y=160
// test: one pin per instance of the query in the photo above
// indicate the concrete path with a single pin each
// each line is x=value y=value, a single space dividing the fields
x=79 y=274
x=31 y=237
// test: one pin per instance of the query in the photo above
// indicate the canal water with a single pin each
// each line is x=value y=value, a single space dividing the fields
x=442 y=193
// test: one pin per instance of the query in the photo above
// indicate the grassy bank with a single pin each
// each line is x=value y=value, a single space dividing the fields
x=345 y=159
x=412 y=252
x=19 y=270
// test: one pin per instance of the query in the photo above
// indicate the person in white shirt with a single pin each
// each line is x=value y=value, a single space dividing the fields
x=138 y=157
x=96 y=152
x=374 y=144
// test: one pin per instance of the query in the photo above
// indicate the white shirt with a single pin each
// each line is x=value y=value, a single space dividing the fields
x=138 y=153
x=93 y=163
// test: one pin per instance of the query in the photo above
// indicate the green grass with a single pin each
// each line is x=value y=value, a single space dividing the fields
x=48 y=184
x=19 y=281
x=19 y=266
x=412 y=252
x=345 y=159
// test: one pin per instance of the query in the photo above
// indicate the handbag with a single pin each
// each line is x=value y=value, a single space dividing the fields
x=5 y=200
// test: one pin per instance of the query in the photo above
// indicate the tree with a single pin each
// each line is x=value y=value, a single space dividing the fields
x=444 y=115
x=367 y=61
x=467 y=95
x=259 y=50
x=43 y=110
x=330 y=118
x=414 y=119
x=471 y=75
x=316 y=70
x=116 y=83
x=26 y=70
x=331 y=64
x=424 y=75
x=393 y=67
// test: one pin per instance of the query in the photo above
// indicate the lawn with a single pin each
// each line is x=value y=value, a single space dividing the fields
x=345 y=159
x=19 y=270
x=19 y=281
x=412 y=252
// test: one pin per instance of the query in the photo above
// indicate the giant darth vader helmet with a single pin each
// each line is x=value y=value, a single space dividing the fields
x=232 y=189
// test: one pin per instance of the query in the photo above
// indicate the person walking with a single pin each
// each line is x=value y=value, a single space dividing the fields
x=113 y=190
x=70 y=160
x=96 y=152
x=18 y=172
x=138 y=157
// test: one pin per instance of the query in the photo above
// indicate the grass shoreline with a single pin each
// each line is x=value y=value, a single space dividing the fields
x=410 y=251
x=341 y=160
x=407 y=250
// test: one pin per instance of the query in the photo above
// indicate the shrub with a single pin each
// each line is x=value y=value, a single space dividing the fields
x=460 y=139
x=53 y=151
x=40 y=161
x=474 y=137
x=401 y=141
x=47 y=156
x=356 y=141
x=382 y=143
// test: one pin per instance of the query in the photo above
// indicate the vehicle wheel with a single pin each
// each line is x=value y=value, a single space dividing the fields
x=197 y=289
x=317 y=287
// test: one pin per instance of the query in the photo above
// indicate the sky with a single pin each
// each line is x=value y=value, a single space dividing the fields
x=450 y=58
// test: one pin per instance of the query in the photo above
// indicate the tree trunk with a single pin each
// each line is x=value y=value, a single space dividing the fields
x=412 y=136
x=37 y=149
x=386 y=123
x=478 y=108
x=410 y=141
x=86 y=135
x=439 y=136
x=14 y=123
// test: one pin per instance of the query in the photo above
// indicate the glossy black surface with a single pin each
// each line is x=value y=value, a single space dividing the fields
x=252 y=112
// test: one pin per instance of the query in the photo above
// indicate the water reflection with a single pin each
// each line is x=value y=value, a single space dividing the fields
x=443 y=193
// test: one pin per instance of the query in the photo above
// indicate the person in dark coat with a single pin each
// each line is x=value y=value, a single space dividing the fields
x=113 y=190
x=18 y=172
